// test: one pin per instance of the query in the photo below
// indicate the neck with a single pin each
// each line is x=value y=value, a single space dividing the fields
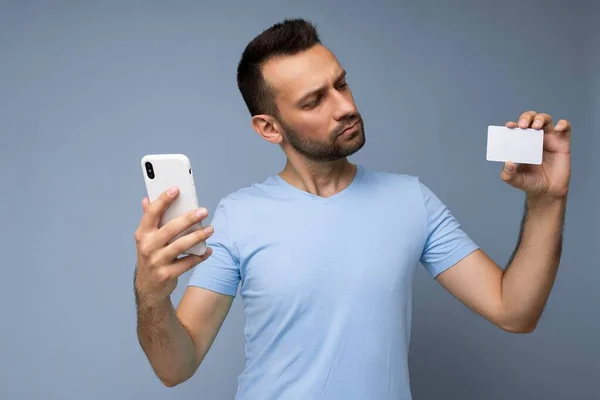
x=321 y=179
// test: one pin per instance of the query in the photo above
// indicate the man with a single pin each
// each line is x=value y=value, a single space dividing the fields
x=325 y=251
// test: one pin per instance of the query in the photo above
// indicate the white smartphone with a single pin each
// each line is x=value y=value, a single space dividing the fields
x=162 y=171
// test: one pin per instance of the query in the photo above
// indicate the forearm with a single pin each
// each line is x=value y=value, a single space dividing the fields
x=530 y=275
x=165 y=341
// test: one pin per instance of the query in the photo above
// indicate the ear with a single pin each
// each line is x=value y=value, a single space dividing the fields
x=268 y=128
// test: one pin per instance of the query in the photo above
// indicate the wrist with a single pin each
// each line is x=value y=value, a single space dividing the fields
x=546 y=208
x=536 y=202
x=148 y=301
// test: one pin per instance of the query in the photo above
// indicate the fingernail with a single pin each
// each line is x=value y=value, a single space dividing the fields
x=523 y=122
x=209 y=229
x=508 y=168
x=172 y=191
x=201 y=212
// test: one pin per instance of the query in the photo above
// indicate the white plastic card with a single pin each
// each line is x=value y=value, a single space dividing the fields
x=521 y=146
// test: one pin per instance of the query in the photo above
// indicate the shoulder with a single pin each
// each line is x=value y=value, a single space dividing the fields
x=394 y=181
x=391 y=177
x=248 y=197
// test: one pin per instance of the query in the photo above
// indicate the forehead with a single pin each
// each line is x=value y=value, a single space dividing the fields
x=292 y=76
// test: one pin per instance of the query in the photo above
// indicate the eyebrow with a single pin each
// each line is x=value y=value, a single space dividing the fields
x=321 y=89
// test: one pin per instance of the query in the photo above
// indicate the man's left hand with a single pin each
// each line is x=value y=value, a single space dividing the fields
x=551 y=178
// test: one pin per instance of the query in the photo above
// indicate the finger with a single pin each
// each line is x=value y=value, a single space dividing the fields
x=184 y=243
x=145 y=204
x=156 y=209
x=526 y=118
x=186 y=263
x=542 y=121
x=563 y=126
x=177 y=225
x=511 y=124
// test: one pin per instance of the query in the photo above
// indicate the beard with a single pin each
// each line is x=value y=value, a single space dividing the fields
x=333 y=147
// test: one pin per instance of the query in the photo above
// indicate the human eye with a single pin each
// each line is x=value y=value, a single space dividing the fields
x=314 y=102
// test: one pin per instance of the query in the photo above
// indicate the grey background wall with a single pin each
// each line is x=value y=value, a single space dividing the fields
x=594 y=53
x=86 y=89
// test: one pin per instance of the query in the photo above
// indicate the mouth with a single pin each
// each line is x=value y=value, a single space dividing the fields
x=350 y=128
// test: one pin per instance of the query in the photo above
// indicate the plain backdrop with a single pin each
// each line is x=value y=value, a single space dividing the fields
x=88 y=88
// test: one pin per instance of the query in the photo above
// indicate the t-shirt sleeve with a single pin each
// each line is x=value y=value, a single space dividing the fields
x=220 y=272
x=446 y=243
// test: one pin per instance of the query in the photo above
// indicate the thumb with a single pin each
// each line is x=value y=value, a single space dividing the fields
x=509 y=174
x=510 y=167
x=145 y=204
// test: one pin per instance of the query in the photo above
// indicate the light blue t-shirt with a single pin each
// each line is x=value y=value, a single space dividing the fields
x=326 y=282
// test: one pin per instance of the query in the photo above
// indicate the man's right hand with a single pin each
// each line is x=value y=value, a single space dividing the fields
x=158 y=266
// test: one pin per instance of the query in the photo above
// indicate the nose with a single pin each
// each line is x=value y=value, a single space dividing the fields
x=344 y=106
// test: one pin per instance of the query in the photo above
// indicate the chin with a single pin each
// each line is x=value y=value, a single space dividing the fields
x=356 y=142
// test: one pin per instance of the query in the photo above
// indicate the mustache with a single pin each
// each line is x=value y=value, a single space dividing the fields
x=343 y=126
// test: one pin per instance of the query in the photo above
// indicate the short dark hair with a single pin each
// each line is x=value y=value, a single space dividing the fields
x=288 y=37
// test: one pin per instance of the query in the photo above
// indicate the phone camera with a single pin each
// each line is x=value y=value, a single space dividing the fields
x=149 y=170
